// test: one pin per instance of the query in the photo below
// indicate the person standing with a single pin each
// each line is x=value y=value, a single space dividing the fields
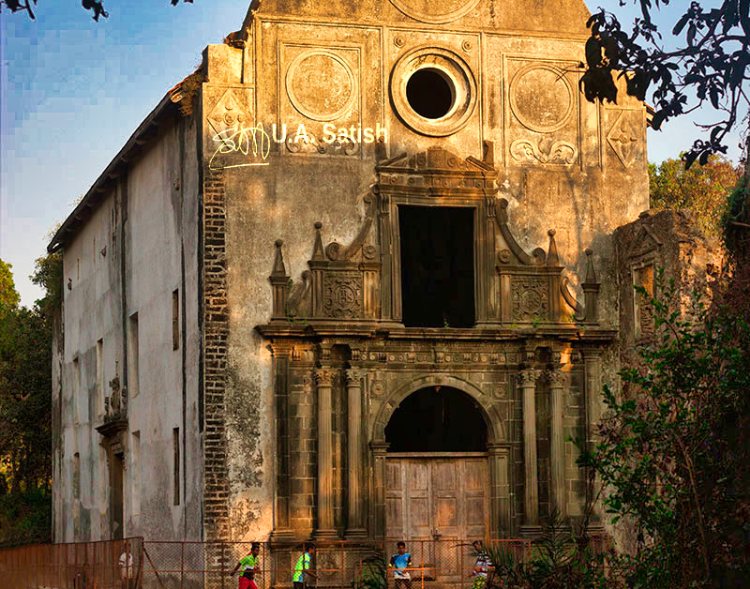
x=250 y=565
x=401 y=563
x=482 y=565
x=302 y=570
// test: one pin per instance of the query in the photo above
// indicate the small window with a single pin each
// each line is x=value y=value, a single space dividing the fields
x=176 y=452
x=135 y=473
x=100 y=390
x=76 y=392
x=133 y=354
x=76 y=476
x=176 y=319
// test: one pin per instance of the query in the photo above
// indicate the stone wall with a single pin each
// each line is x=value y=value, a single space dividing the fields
x=562 y=163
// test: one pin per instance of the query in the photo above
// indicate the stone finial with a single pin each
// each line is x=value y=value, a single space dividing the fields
x=591 y=290
x=590 y=271
x=318 y=252
x=279 y=284
x=553 y=259
x=278 y=263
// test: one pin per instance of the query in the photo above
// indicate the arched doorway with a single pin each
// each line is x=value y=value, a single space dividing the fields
x=437 y=479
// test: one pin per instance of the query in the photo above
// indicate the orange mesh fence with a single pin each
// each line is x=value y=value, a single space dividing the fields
x=113 y=564
x=445 y=563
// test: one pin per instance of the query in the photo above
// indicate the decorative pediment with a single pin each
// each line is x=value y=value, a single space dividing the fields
x=437 y=172
x=645 y=243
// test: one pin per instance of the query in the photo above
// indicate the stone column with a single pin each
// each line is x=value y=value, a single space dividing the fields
x=528 y=378
x=355 y=525
x=324 y=379
x=557 y=443
x=593 y=382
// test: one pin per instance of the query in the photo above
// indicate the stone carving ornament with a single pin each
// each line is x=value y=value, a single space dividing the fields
x=544 y=151
x=342 y=295
x=625 y=136
x=530 y=298
x=541 y=97
x=321 y=85
x=429 y=11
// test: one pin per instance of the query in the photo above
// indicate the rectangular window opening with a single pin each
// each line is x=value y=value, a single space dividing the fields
x=135 y=466
x=176 y=319
x=437 y=266
x=100 y=390
x=176 y=452
x=133 y=372
x=76 y=390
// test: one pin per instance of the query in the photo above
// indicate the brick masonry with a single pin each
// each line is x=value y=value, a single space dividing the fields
x=215 y=332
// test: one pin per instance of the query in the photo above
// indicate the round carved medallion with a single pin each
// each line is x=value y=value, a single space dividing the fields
x=320 y=85
x=433 y=91
x=429 y=11
x=541 y=98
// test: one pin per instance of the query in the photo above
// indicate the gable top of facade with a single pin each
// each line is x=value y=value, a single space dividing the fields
x=553 y=17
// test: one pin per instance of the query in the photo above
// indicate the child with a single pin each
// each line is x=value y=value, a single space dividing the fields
x=302 y=568
x=482 y=566
x=401 y=562
x=249 y=565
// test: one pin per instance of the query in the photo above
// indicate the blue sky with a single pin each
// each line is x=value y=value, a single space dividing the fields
x=73 y=90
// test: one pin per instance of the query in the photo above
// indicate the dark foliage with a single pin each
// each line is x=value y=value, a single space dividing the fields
x=95 y=6
x=675 y=446
x=711 y=64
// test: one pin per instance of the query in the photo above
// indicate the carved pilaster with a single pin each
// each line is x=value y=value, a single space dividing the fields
x=282 y=352
x=324 y=380
x=557 y=382
x=593 y=383
x=527 y=379
x=354 y=378
x=499 y=459
x=379 y=449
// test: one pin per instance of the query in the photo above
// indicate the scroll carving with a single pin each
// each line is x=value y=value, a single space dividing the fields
x=544 y=151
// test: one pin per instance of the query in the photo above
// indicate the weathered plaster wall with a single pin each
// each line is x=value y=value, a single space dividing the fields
x=137 y=247
x=563 y=163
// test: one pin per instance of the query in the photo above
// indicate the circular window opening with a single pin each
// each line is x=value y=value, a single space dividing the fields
x=430 y=93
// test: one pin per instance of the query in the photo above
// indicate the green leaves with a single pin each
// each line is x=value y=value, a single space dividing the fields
x=674 y=447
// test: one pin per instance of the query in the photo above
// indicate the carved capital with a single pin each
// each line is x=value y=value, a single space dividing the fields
x=354 y=376
x=529 y=376
x=556 y=377
x=324 y=377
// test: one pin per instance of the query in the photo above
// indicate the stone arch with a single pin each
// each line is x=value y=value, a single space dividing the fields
x=492 y=418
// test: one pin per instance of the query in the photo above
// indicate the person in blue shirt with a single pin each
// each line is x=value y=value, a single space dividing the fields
x=401 y=562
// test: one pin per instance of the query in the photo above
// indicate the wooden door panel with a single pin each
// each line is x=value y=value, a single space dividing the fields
x=425 y=494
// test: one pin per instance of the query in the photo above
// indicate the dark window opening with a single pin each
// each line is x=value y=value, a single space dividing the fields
x=430 y=93
x=437 y=266
x=437 y=419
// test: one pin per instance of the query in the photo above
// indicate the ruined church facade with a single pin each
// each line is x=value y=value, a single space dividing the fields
x=355 y=278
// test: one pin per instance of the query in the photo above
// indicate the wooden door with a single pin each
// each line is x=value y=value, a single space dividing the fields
x=438 y=504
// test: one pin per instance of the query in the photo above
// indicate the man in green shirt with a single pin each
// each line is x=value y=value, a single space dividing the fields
x=302 y=570
x=250 y=565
